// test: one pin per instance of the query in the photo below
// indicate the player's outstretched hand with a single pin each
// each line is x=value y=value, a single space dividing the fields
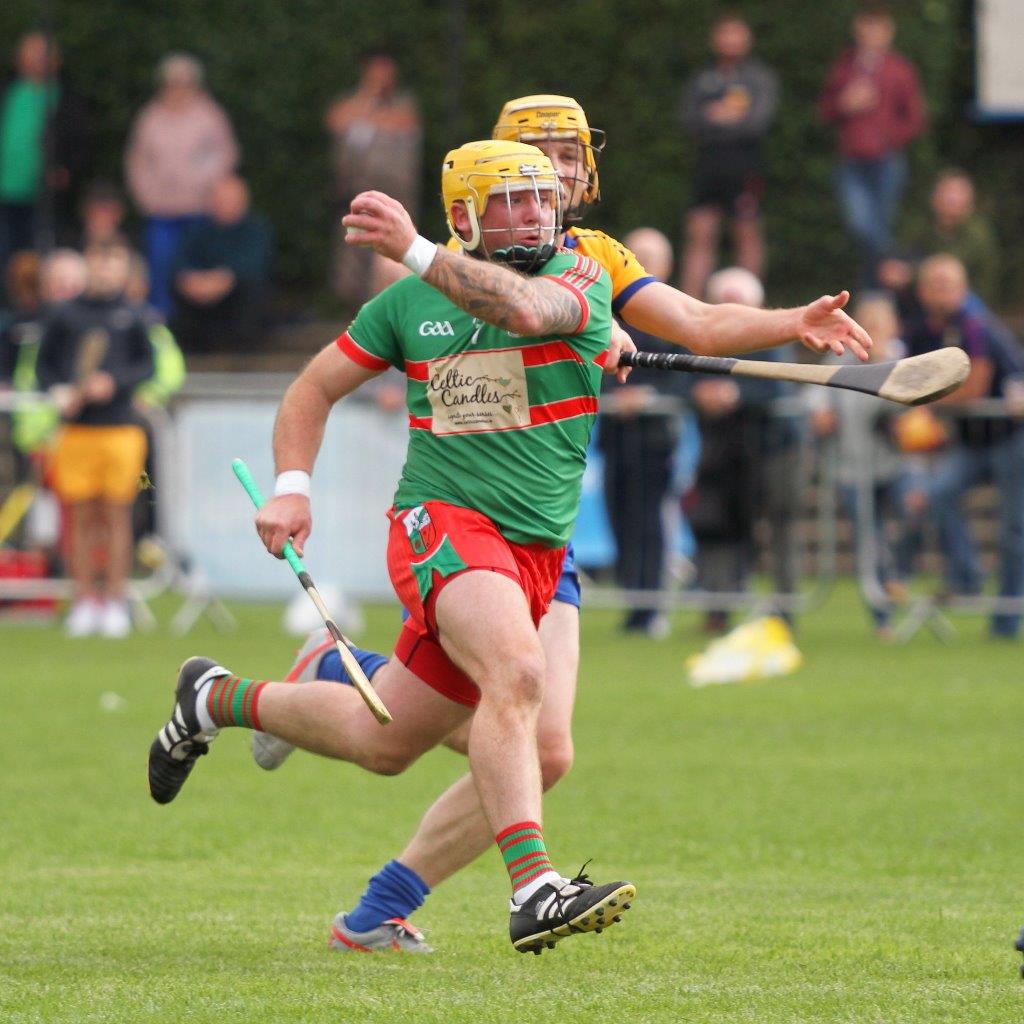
x=284 y=516
x=620 y=342
x=824 y=327
x=380 y=222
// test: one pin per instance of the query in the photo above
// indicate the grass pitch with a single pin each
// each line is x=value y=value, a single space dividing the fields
x=842 y=845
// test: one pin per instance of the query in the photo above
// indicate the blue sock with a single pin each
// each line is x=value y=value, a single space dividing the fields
x=395 y=891
x=332 y=669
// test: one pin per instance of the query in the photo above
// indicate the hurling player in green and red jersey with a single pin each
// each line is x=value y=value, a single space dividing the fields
x=503 y=378
x=454 y=831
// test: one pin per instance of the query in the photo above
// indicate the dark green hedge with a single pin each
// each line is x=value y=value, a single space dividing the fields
x=275 y=64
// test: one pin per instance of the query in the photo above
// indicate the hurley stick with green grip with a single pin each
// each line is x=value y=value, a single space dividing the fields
x=355 y=673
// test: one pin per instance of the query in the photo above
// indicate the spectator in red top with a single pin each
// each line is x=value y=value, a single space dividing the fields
x=873 y=97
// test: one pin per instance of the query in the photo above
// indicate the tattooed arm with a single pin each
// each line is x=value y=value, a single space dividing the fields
x=530 y=306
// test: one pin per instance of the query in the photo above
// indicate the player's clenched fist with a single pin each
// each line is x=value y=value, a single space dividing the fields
x=376 y=220
x=283 y=517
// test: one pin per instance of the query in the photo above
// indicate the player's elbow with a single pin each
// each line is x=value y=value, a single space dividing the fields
x=527 y=320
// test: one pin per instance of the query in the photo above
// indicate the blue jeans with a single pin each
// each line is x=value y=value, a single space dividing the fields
x=869 y=195
x=965 y=466
x=886 y=502
x=162 y=237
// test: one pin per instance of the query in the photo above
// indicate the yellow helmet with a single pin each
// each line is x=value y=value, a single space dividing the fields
x=475 y=173
x=534 y=118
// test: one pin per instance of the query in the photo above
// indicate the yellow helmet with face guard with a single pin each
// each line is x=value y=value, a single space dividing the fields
x=480 y=173
x=555 y=118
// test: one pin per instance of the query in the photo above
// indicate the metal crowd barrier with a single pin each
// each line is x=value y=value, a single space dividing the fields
x=931 y=608
x=817 y=470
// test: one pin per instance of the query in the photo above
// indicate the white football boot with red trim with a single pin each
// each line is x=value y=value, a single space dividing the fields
x=395 y=935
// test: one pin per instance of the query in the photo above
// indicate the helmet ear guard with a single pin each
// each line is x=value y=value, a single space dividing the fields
x=479 y=172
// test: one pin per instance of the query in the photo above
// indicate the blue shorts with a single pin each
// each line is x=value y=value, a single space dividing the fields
x=568 y=591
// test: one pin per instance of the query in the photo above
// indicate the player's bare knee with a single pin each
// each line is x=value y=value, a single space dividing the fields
x=387 y=762
x=556 y=760
x=520 y=680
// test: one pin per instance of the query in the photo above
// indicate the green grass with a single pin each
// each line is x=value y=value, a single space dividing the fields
x=842 y=845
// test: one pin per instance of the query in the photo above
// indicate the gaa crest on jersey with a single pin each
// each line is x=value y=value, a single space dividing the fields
x=420 y=529
x=437 y=329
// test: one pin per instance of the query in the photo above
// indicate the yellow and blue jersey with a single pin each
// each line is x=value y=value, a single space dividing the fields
x=627 y=273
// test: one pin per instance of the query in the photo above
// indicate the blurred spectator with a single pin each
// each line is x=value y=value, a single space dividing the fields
x=749 y=463
x=20 y=325
x=94 y=353
x=43 y=146
x=34 y=421
x=376 y=143
x=956 y=228
x=728 y=106
x=779 y=481
x=869 y=462
x=873 y=98
x=62 y=277
x=101 y=214
x=983 y=448
x=637 y=433
x=221 y=274
x=181 y=144
x=169 y=362
x=152 y=395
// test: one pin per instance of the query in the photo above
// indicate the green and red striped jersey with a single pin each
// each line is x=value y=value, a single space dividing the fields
x=497 y=423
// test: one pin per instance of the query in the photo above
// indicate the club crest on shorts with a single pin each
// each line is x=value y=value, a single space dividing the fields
x=420 y=529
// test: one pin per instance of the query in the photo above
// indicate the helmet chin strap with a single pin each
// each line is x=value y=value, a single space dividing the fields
x=526 y=258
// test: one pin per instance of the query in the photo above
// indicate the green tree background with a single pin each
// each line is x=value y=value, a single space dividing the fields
x=276 y=65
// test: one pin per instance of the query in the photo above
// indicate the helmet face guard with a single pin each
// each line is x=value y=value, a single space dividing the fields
x=503 y=243
x=533 y=119
x=480 y=175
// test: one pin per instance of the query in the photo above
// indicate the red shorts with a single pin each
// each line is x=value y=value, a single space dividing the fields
x=431 y=544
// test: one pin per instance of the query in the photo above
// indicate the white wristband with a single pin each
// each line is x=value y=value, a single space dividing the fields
x=420 y=255
x=292 y=481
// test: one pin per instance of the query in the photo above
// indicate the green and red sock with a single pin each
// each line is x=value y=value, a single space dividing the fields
x=234 y=701
x=526 y=858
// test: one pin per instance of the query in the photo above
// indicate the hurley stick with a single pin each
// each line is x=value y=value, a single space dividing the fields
x=911 y=381
x=355 y=673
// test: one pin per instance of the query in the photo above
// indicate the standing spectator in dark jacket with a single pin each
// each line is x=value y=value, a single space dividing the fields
x=986 y=449
x=637 y=433
x=42 y=146
x=221 y=273
x=873 y=98
x=94 y=353
x=728 y=106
